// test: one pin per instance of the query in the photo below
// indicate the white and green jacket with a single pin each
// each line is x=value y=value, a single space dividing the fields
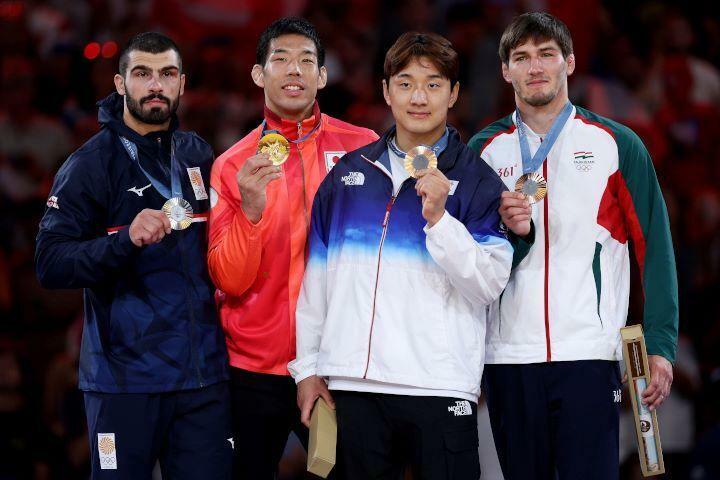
x=567 y=298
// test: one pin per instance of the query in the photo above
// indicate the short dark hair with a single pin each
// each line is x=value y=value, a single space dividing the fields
x=538 y=26
x=288 y=26
x=434 y=47
x=150 y=42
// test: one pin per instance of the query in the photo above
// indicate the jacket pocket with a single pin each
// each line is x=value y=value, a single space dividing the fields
x=597 y=275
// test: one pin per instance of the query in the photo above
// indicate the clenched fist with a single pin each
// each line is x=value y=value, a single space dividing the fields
x=148 y=227
x=252 y=178
x=515 y=211
x=433 y=186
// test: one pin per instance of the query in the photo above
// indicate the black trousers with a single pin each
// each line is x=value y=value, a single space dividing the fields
x=556 y=420
x=264 y=411
x=379 y=435
x=187 y=431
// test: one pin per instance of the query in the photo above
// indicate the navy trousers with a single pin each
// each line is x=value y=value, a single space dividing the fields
x=555 y=420
x=189 y=432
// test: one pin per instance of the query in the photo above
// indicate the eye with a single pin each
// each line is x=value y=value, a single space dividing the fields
x=520 y=58
x=308 y=60
x=548 y=54
x=404 y=84
x=279 y=59
x=434 y=85
x=140 y=73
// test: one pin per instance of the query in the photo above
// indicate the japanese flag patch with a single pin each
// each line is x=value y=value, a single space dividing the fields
x=331 y=158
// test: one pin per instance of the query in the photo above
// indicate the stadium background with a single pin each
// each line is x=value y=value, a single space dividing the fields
x=652 y=65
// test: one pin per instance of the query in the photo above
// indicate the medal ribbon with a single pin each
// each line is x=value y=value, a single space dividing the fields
x=299 y=140
x=437 y=149
x=175 y=186
x=531 y=164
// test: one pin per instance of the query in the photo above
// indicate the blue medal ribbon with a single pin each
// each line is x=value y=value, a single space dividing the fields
x=532 y=164
x=299 y=140
x=175 y=189
x=437 y=148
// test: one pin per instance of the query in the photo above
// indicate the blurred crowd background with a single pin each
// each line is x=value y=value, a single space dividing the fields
x=652 y=65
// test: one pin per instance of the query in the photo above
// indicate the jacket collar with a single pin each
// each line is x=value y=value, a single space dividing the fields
x=289 y=128
x=446 y=159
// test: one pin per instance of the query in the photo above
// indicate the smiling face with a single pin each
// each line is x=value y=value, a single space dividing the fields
x=290 y=76
x=538 y=72
x=420 y=97
x=152 y=86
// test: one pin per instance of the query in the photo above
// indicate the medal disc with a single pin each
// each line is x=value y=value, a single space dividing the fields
x=179 y=212
x=533 y=186
x=276 y=146
x=420 y=158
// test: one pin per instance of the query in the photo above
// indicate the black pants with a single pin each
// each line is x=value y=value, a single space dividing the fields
x=264 y=413
x=187 y=431
x=556 y=420
x=379 y=435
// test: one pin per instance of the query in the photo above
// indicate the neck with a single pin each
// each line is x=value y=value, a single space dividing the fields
x=406 y=140
x=292 y=116
x=141 y=127
x=541 y=118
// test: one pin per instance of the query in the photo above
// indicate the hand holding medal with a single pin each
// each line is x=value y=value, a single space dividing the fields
x=149 y=227
x=515 y=212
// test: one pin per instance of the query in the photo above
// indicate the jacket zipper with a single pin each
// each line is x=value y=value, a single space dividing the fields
x=385 y=222
x=188 y=300
x=547 y=266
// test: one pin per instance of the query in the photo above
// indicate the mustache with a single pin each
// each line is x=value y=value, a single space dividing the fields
x=155 y=96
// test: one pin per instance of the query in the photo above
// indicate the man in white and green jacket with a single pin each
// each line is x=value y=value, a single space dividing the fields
x=552 y=375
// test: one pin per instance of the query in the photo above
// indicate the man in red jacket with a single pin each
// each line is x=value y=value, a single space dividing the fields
x=258 y=229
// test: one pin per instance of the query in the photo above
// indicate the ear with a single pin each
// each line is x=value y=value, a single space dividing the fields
x=505 y=72
x=454 y=94
x=386 y=92
x=119 y=84
x=570 y=64
x=257 y=75
x=182 y=84
x=322 y=80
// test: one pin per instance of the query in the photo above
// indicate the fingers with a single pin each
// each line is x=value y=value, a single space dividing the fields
x=325 y=394
x=656 y=393
x=306 y=410
x=513 y=200
x=255 y=162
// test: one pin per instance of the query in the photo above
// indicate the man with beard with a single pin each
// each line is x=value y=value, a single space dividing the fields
x=552 y=377
x=258 y=229
x=126 y=221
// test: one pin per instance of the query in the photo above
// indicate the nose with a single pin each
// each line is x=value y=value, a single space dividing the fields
x=294 y=68
x=535 y=65
x=418 y=97
x=154 y=84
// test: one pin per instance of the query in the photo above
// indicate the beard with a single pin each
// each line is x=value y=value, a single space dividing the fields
x=540 y=99
x=156 y=115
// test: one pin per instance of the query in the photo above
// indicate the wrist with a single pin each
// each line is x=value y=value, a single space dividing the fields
x=253 y=215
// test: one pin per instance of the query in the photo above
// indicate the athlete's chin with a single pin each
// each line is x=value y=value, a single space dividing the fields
x=539 y=99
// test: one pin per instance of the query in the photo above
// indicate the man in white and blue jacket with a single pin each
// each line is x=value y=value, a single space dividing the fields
x=153 y=362
x=399 y=276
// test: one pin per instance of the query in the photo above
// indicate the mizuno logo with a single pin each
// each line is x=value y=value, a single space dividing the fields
x=139 y=191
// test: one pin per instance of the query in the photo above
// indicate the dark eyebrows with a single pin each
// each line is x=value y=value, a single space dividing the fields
x=145 y=68
x=305 y=51
x=433 y=76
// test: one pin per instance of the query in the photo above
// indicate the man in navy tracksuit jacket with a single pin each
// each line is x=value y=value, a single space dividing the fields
x=153 y=363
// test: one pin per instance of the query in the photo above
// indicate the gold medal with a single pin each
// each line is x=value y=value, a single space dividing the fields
x=533 y=186
x=276 y=146
x=420 y=158
x=180 y=213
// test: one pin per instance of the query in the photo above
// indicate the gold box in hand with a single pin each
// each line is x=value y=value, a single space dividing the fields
x=323 y=439
x=646 y=425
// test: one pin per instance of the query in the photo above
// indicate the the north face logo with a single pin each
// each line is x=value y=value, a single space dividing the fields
x=461 y=407
x=354 y=178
